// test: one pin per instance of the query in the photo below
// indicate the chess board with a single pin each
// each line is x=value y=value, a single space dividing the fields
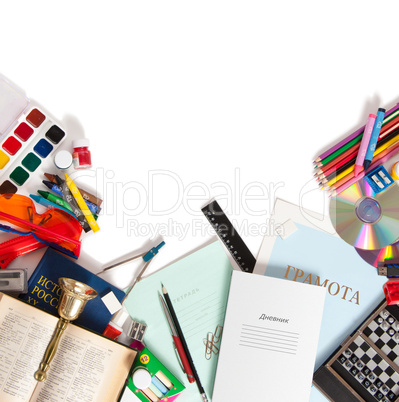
x=365 y=367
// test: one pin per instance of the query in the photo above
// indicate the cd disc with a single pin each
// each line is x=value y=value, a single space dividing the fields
x=366 y=219
x=373 y=257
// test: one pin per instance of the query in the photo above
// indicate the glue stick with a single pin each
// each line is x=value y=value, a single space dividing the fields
x=114 y=327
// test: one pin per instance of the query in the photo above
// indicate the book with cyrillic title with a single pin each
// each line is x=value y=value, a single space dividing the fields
x=44 y=291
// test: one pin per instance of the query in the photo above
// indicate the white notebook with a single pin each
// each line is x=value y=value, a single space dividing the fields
x=269 y=340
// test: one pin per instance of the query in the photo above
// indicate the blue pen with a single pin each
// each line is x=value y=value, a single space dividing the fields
x=374 y=138
x=48 y=204
x=94 y=209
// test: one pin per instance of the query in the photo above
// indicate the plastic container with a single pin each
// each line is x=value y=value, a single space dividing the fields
x=63 y=160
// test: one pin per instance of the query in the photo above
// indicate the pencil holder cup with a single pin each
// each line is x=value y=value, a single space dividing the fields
x=74 y=297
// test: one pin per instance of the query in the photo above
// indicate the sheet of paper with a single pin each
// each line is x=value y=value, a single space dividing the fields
x=198 y=286
x=269 y=340
x=315 y=254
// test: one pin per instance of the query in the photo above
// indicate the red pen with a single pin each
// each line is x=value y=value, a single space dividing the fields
x=179 y=347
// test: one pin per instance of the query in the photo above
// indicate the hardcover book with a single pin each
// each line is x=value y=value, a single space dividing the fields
x=44 y=291
x=86 y=366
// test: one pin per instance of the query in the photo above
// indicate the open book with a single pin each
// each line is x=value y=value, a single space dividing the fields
x=86 y=367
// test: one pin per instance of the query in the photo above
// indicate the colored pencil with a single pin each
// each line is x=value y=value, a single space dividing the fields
x=382 y=145
x=386 y=125
x=354 y=134
x=386 y=142
x=380 y=149
x=382 y=158
x=342 y=153
x=326 y=172
x=351 y=151
x=385 y=132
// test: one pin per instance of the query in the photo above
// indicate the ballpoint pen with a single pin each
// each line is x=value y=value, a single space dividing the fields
x=183 y=342
x=178 y=345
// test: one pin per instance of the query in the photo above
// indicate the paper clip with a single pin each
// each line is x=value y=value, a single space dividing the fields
x=208 y=342
x=218 y=333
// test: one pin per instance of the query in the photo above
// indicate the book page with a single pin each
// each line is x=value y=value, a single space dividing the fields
x=86 y=366
x=24 y=336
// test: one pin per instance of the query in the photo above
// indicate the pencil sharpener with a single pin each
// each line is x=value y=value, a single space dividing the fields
x=13 y=281
x=391 y=291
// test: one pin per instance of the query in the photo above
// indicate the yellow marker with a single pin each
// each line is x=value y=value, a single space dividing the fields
x=82 y=204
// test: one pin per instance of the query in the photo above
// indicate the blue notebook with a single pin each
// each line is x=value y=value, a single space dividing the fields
x=44 y=292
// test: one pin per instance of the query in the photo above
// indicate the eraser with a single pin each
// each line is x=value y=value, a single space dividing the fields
x=13 y=281
x=286 y=229
x=111 y=302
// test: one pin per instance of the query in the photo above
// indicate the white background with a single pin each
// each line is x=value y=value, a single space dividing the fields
x=200 y=97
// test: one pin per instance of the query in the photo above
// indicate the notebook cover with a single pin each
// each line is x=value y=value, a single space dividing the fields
x=44 y=292
x=269 y=340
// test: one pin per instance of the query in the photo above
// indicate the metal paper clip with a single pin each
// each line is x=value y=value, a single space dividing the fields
x=218 y=333
x=208 y=342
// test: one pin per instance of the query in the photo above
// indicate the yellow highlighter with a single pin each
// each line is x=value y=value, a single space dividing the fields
x=82 y=204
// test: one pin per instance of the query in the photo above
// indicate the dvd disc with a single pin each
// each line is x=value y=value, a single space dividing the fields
x=373 y=257
x=366 y=219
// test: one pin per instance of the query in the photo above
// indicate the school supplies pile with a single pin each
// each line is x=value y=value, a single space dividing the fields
x=362 y=151
x=181 y=331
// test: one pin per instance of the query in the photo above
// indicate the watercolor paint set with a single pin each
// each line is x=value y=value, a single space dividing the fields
x=28 y=138
x=151 y=381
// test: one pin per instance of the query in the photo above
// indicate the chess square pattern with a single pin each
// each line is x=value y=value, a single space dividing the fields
x=383 y=331
x=364 y=365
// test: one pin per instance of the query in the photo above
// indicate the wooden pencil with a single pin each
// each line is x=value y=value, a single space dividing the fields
x=388 y=123
x=384 y=156
x=388 y=117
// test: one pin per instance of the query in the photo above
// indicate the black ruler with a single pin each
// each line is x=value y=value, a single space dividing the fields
x=229 y=236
